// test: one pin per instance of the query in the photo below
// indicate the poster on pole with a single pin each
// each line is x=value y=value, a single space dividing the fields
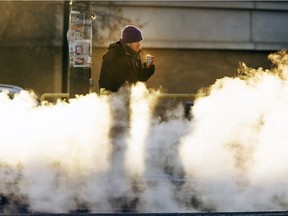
x=80 y=53
x=80 y=40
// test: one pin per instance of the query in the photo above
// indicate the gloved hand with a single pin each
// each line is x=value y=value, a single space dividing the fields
x=149 y=70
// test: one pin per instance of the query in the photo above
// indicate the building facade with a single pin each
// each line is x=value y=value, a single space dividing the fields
x=194 y=42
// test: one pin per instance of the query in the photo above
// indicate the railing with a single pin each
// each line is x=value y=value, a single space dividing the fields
x=164 y=95
x=53 y=95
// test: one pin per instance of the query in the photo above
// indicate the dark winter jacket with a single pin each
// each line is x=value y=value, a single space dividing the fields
x=121 y=65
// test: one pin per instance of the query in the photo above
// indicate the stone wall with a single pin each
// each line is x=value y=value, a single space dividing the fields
x=194 y=43
x=245 y=25
x=31 y=45
x=186 y=70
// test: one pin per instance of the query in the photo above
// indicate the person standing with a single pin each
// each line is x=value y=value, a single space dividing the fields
x=121 y=64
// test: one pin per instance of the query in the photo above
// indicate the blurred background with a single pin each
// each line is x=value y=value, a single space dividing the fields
x=194 y=43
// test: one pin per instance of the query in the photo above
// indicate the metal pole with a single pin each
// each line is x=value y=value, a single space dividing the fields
x=80 y=48
x=65 y=57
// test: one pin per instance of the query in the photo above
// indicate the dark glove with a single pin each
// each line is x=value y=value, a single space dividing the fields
x=150 y=71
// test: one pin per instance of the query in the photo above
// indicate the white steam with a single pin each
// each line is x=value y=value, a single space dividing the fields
x=235 y=154
x=112 y=152
x=142 y=102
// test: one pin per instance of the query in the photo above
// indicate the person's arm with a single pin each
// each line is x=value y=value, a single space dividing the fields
x=105 y=75
x=146 y=73
x=110 y=77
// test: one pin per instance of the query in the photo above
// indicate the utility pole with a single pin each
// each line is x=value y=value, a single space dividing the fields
x=65 y=48
x=80 y=47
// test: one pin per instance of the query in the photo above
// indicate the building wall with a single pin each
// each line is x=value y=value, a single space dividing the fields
x=205 y=25
x=31 y=44
x=188 y=70
x=194 y=43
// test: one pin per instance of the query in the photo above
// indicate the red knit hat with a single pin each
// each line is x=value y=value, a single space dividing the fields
x=130 y=34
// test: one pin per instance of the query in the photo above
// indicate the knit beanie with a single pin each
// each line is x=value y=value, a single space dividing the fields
x=131 y=34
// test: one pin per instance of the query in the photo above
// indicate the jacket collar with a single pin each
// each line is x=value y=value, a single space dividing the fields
x=123 y=47
x=128 y=50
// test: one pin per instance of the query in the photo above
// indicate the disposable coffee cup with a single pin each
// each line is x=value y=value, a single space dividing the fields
x=149 y=60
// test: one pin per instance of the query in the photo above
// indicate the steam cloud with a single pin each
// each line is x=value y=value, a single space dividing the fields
x=110 y=152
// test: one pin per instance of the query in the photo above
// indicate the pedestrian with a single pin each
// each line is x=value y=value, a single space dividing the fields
x=121 y=64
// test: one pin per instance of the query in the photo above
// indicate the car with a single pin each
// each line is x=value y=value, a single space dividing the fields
x=13 y=90
x=10 y=89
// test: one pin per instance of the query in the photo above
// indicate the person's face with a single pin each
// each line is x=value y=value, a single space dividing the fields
x=136 y=46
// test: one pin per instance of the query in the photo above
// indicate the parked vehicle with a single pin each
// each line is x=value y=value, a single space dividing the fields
x=10 y=89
